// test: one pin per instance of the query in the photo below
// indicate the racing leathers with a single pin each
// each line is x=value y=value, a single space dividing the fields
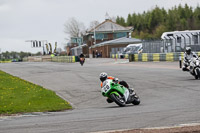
x=186 y=60
x=121 y=83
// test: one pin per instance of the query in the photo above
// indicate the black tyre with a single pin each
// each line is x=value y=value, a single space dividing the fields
x=118 y=100
x=81 y=63
x=136 y=100
x=198 y=72
x=109 y=100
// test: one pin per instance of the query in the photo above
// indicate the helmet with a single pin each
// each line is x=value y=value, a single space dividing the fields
x=188 y=50
x=103 y=76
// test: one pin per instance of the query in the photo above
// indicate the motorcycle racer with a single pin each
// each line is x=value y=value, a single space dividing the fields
x=188 y=55
x=82 y=59
x=103 y=76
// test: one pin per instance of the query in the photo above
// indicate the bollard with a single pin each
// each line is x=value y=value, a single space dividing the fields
x=180 y=62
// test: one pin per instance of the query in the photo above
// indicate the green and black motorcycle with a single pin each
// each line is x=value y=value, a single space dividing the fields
x=119 y=94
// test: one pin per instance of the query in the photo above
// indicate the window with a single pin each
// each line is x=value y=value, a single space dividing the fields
x=100 y=36
x=120 y=34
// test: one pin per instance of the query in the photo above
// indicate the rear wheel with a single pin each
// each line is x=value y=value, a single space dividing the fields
x=136 y=100
x=118 y=100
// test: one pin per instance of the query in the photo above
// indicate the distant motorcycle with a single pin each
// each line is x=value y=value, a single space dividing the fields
x=119 y=94
x=194 y=67
x=82 y=60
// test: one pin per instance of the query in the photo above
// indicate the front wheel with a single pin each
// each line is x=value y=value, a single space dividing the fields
x=198 y=72
x=81 y=62
x=118 y=100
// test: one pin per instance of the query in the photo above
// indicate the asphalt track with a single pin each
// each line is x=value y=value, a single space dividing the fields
x=168 y=96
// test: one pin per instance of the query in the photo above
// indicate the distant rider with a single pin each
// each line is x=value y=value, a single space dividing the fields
x=81 y=55
x=103 y=76
x=188 y=55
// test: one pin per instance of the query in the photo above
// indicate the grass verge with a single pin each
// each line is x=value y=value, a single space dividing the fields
x=20 y=96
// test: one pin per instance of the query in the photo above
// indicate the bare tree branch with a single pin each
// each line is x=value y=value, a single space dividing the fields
x=74 y=28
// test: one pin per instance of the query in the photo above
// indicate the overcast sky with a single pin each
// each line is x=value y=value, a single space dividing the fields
x=22 y=20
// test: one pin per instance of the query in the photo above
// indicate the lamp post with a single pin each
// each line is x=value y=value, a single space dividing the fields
x=94 y=35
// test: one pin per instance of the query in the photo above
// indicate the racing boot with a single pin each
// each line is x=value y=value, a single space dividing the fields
x=131 y=91
x=133 y=94
x=185 y=69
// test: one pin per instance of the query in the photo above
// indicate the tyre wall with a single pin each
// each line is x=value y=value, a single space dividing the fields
x=68 y=59
x=154 y=56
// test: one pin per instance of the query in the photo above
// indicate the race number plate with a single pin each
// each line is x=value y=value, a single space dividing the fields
x=106 y=86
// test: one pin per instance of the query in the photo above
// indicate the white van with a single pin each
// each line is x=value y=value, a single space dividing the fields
x=132 y=49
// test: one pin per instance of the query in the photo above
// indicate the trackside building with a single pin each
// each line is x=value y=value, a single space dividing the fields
x=104 y=32
x=116 y=46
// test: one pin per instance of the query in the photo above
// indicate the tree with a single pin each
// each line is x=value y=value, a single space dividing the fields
x=158 y=31
x=153 y=23
x=197 y=17
x=74 y=28
x=23 y=54
x=6 y=55
x=156 y=18
x=121 y=21
x=93 y=24
x=172 y=20
x=129 y=20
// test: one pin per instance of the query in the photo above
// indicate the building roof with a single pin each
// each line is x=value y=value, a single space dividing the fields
x=186 y=33
x=123 y=40
x=77 y=47
x=109 y=26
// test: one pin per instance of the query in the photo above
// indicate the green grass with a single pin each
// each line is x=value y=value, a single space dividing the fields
x=20 y=96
